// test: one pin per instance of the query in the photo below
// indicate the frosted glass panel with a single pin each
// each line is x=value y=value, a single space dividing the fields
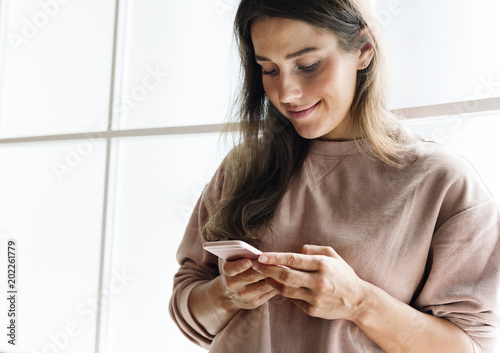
x=441 y=51
x=473 y=136
x=56 y=68
x=175 y=62
x=158 y=181
x=55 y=218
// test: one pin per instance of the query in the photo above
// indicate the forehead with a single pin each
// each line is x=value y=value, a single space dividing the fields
x=282 y=34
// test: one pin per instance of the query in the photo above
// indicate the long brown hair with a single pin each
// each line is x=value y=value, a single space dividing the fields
x=269 y=150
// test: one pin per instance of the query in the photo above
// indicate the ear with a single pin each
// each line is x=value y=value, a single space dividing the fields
x=367 y=49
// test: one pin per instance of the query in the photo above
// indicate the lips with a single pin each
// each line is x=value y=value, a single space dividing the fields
x=302 y=113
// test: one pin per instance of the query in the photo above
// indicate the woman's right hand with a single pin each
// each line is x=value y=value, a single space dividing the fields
x=245 y=287
x=214 y=303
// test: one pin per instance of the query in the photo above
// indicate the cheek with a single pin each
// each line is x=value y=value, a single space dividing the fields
x=328 y=79
x=271 y=90
x=320 y=86
x=325 y=83
x=335 y=84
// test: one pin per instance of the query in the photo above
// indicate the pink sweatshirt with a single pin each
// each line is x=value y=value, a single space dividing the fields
x=429 y=235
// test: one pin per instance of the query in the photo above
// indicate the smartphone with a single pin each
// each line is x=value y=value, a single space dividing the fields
x=232 y=250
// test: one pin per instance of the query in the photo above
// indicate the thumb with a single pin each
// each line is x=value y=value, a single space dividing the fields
x=319 y=250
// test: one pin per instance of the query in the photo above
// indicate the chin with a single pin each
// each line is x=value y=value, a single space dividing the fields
x=309 y=135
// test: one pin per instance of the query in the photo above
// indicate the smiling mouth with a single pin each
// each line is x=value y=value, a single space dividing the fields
x=302 y=114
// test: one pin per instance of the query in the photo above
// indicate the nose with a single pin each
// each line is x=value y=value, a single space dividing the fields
x=289 y=89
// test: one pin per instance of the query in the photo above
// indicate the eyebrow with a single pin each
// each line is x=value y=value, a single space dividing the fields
x=290 y=56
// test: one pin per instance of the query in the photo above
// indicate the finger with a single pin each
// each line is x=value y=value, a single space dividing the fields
x=289 y=291
x=239 y=282
x=265 y=297
x=233 y=268
x=248 y=277
x=252 y=290
x=302 y=297
x=319 y=250
x=296 y=261
x=284 y=275
x=253 y=295
x=259 y=289
x=305 y=307
x=261 y=298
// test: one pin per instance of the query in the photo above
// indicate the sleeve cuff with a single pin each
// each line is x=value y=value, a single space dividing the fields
x=185 y=320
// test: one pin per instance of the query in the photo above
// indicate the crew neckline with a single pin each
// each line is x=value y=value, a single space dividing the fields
x=338 y=148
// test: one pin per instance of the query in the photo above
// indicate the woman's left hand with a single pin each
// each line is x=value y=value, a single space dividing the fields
x=318 y=281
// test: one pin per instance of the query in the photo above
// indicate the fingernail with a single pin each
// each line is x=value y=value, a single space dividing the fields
x=263 y=258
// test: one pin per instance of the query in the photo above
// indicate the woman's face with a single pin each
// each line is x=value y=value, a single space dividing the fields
x=307 y=76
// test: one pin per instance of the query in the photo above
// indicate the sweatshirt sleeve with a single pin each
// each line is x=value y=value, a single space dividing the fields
x=196 y=265
x=463 y=278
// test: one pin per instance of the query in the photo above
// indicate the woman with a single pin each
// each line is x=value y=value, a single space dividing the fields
x=391 y=243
